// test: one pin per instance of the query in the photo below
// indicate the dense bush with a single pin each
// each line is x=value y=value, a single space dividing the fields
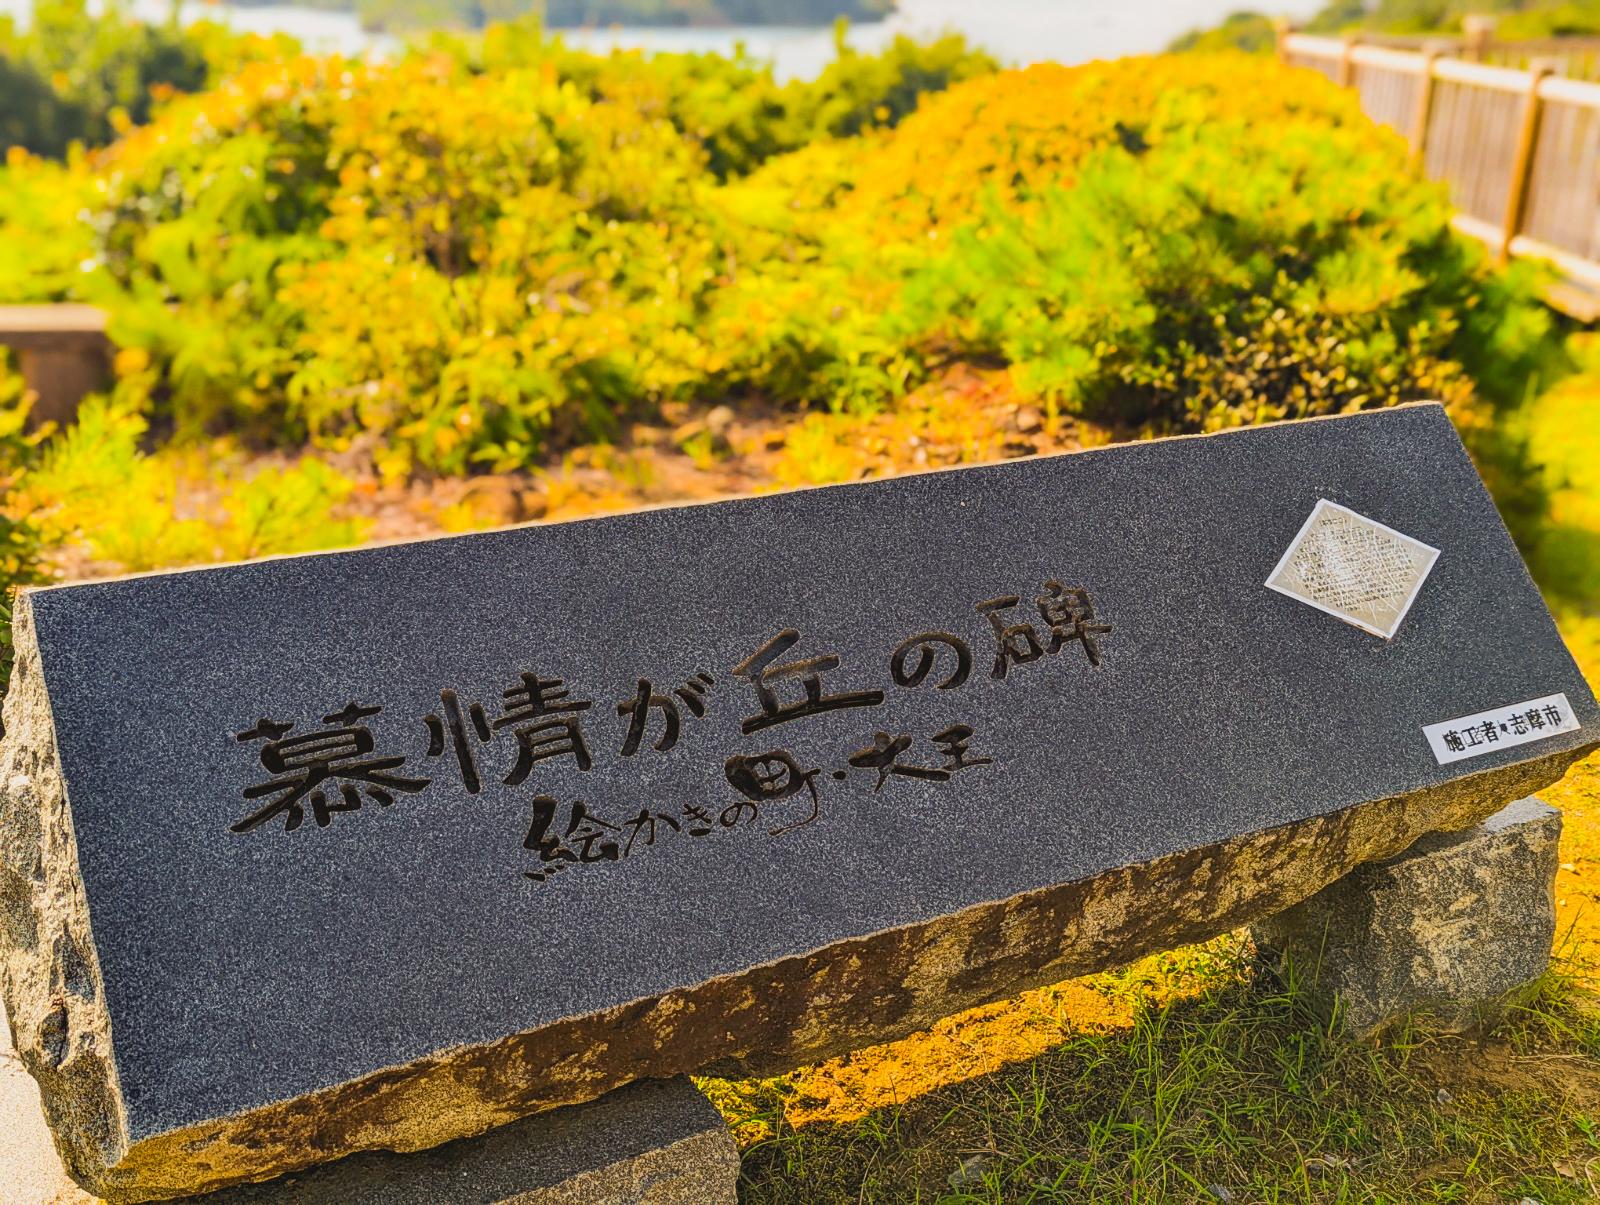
x=1252 y=32
x=1518 y=18
x=32 y=115
x=1213 y=242
x=858 y=92
x=461 y=251
x=21 y=539
x=1241 y=248
x=500 y=242
x=1015 y=135
x=127 y=510
x=1228 y=274
x=452 y=261
x=733 y=106
x=73 y=77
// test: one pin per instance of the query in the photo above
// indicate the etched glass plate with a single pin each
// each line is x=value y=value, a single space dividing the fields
x=1353 y=568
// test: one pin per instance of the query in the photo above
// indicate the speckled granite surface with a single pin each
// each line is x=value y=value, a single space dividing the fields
x=226 y=962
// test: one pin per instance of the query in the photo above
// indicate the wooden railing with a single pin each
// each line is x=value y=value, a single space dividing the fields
x=1573 y=57
x=1519 y=149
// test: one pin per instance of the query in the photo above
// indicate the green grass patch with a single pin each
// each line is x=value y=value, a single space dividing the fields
x=1243 y=1092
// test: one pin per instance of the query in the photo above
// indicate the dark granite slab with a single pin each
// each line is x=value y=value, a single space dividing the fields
x=445 y=909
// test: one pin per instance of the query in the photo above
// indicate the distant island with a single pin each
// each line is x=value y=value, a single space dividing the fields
x=579 y=14
x=575 y=13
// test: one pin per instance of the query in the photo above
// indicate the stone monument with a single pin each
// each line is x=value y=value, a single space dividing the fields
x=375 y=850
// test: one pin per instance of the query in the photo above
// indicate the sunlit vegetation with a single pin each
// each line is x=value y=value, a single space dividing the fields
x=491 y=248
x=499 y=279
x=1515 y=20
x=75 y=78
x=1189 y=1078
x=496 y=249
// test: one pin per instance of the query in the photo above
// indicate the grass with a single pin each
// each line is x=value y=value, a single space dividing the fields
x=1241 y=1092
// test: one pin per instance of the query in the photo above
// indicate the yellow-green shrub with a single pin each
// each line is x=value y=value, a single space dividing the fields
x=464 y=255
x=76 y=77
x=1019 y=133
x=1229 y=275
x=21 y=540
x=135 y=511
x=46 y=249
x=733 y=107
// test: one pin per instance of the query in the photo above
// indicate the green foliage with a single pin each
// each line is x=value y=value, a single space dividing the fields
x=73 y=77
x=464 y=252
x=1251 y=32
x=32 y=115
x=451 y=260
x=498 y=243
x=285 y=510
x=96 y=485
x=1238 y=274
x=1564 y=19
x=1518 y=18
x=1337 y=15
x=733 y=107
x=21 y=540
x=76 y=78
x=858 y=92
x=46 y=249
x=1242 y=1091
x=1562 y=427
x=1231 y=275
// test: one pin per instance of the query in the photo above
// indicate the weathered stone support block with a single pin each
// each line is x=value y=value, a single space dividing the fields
x=654 y=1142
x=1455 y=927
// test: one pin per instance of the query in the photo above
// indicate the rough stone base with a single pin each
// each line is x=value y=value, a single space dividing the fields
x=654 y=1142
x=1456 y=927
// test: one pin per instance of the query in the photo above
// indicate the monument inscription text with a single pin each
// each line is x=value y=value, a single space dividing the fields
x=339 y=766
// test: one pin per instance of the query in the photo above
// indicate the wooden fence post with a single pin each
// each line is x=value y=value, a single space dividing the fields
x=1424 y=109
x=1478 y=29
x=1282 y=27
x=1347 y=66
x=1522 y=160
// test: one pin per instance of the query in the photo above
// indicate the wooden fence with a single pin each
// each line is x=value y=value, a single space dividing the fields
x=1574 y=57
x=1519 y=149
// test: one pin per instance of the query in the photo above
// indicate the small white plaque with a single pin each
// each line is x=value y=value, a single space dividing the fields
x=1500 y=728
x=1354 y=568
